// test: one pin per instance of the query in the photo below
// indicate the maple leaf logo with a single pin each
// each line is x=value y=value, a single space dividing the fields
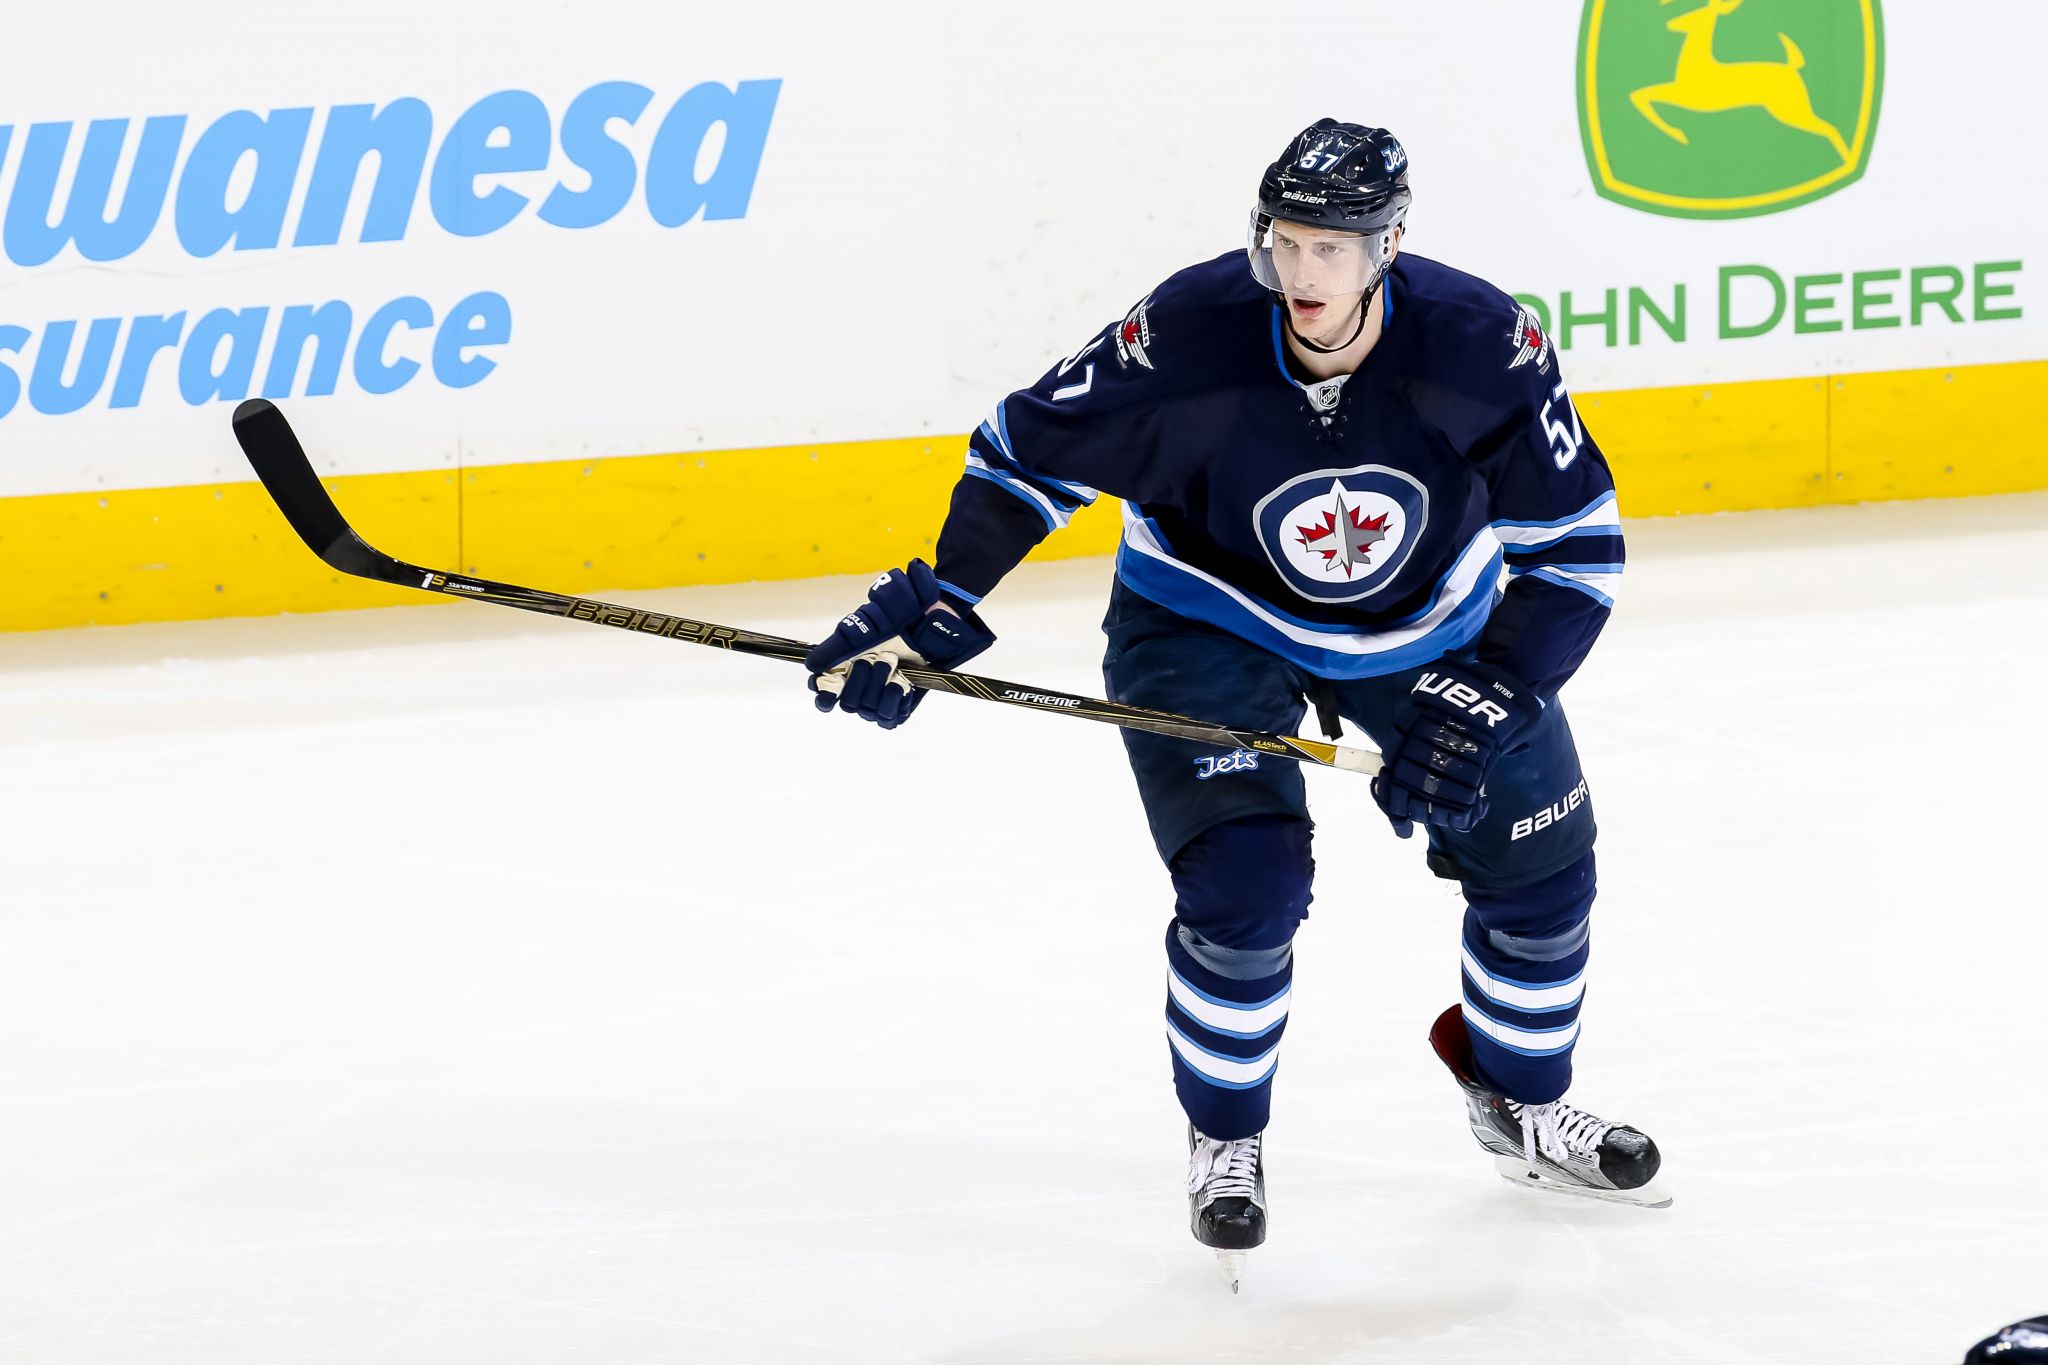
x=1346 y=537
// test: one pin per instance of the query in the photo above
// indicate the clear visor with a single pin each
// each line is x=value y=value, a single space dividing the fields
x=1315 y=263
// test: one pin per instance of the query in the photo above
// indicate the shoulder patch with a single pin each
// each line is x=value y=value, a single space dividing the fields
x=1133 y=335
x=1529 y=342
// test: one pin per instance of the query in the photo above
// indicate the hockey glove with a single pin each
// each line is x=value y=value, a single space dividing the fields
x=854 y=668
x=1460 y=717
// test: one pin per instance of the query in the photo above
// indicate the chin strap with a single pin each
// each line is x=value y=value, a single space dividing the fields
x=1364 y=311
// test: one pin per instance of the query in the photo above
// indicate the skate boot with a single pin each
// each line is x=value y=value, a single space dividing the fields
x=1227 y=1198
x=1550 y=1146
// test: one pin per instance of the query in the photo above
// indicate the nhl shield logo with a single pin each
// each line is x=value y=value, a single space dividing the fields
x=1342 y=535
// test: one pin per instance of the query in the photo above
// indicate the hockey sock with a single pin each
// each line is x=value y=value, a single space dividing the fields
x=1525 y=954
x=1224 y=1030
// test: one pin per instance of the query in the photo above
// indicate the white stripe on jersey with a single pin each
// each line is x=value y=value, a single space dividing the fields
x=1053 y=512
x=1469 y=575
x=1603 y=515
x=1599 y=583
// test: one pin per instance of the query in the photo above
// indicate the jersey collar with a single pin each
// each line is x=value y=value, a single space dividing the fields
x=1280 y=343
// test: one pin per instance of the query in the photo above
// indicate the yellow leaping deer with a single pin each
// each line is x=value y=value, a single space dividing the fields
x=1705 y=84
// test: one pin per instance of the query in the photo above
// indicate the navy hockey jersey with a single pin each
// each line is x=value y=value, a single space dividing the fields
x=1358 y=526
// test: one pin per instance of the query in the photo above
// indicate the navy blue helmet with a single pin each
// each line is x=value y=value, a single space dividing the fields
x=1342 y=176
x=1334 y=178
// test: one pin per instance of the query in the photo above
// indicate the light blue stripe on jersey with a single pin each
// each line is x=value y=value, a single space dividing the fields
x=995 y=438
x=1056 y=497
x=1080 y=492
x=1003 y=430
x=1552 y=574
x=997 y=430
x=1464 y=601
x=1608 y=570
x=1582 y=516
x=1599 y=517
x=1038 y=501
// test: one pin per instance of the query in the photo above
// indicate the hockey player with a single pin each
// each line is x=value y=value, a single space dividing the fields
x=1327 y=461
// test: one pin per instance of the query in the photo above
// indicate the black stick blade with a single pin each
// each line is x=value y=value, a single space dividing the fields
x=280 y=461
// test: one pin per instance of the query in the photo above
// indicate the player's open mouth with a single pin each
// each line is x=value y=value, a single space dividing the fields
x=1306 y=308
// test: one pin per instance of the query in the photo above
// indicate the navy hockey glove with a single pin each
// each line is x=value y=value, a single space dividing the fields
x=854 y=668
x=1459 y=719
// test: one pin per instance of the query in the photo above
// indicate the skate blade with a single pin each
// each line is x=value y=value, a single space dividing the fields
x=1515 y=1170
x=1231 y=1265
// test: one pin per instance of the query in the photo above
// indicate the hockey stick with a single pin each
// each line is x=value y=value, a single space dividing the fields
x=279 y=460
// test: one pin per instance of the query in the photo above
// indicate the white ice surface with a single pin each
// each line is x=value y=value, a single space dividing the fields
x=446 y=985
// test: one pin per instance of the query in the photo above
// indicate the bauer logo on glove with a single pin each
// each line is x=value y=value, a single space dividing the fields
x=1436 y=767
x=1461 y=696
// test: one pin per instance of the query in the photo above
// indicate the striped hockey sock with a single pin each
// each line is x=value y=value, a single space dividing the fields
x=1224 y=1032
x=1525 y=952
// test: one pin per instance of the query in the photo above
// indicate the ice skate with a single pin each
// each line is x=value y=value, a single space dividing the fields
x=1551 y=1146
x=1227 y=1198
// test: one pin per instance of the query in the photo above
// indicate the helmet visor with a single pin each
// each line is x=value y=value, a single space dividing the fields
x=1306 y=262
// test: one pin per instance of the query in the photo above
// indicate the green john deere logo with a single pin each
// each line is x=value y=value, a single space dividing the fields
x=1727 y=109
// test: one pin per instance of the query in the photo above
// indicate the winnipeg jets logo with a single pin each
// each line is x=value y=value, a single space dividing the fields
x=1529 y=342
x=1133 y=335
x=1236 y=761
x=1340 y=535
x=1346 y=537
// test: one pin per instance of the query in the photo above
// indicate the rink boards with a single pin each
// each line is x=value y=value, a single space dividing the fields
x=852 y=507
x=701 y=295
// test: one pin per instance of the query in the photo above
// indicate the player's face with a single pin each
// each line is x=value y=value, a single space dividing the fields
x=1323 y=275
